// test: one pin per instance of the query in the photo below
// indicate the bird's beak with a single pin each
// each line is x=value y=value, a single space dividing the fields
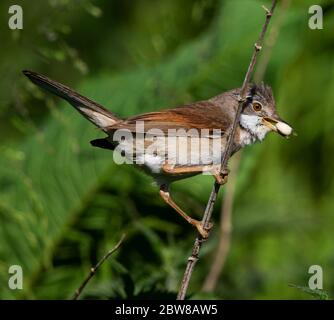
x=278 y=126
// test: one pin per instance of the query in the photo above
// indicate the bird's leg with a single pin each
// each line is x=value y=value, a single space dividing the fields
x=164 y=193
x=170 y=169
x=220 y=177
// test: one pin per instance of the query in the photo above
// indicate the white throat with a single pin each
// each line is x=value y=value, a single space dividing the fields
x=252 y=129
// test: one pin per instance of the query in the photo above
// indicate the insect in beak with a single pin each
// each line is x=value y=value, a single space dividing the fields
x=278 y=126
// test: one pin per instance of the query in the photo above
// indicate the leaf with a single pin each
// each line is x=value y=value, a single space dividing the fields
x=316 y=293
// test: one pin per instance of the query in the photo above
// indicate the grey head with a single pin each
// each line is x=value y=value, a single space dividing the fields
x=259 y=115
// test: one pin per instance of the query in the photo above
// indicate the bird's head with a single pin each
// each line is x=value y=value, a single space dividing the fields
x=259 y=115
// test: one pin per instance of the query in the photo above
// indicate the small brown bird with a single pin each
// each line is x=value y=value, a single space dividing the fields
x=178 y=143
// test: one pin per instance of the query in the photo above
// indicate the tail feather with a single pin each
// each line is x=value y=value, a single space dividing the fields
x=102 y=143
x=91 y=110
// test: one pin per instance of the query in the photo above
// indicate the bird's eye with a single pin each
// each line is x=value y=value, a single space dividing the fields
x=257 y=106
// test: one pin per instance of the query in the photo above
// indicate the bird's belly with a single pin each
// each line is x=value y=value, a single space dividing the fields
x=152 y=154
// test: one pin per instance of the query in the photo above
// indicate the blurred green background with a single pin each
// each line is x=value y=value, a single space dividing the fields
x=63 y=204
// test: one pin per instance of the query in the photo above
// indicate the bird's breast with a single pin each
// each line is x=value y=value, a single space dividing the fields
x=245 y=138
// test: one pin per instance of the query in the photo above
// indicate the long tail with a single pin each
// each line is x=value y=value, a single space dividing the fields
x=91 y=110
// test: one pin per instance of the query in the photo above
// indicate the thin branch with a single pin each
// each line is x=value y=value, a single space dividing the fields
x=213 y=196
x=225 y=228
x=225 y=234
x=271 y=41
x=93 y=270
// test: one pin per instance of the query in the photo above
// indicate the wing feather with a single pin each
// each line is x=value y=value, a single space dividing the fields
x=205 y=115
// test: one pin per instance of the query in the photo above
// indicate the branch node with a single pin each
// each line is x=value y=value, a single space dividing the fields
x=192 y=258
x=257 y=47
x=268 y=12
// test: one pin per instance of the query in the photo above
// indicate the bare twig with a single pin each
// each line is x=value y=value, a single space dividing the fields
x=271 y=41
x=225 y=228
x=93 y=270
x=225 y=234
x=213 y=196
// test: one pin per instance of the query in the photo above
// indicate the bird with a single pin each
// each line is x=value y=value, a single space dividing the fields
x=149 y=140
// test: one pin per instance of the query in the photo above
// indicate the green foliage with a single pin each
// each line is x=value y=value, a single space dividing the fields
x=64 y=204
x=316 y=293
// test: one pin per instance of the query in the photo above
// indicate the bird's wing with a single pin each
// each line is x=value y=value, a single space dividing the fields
x=205 y=115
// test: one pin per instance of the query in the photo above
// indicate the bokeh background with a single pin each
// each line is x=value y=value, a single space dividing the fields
x=63 y=204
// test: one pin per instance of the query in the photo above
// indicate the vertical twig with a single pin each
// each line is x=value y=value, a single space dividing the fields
x=93 y=270
x=225 y=228
x=213 y=196
x=271 y=41
x=227 y=203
